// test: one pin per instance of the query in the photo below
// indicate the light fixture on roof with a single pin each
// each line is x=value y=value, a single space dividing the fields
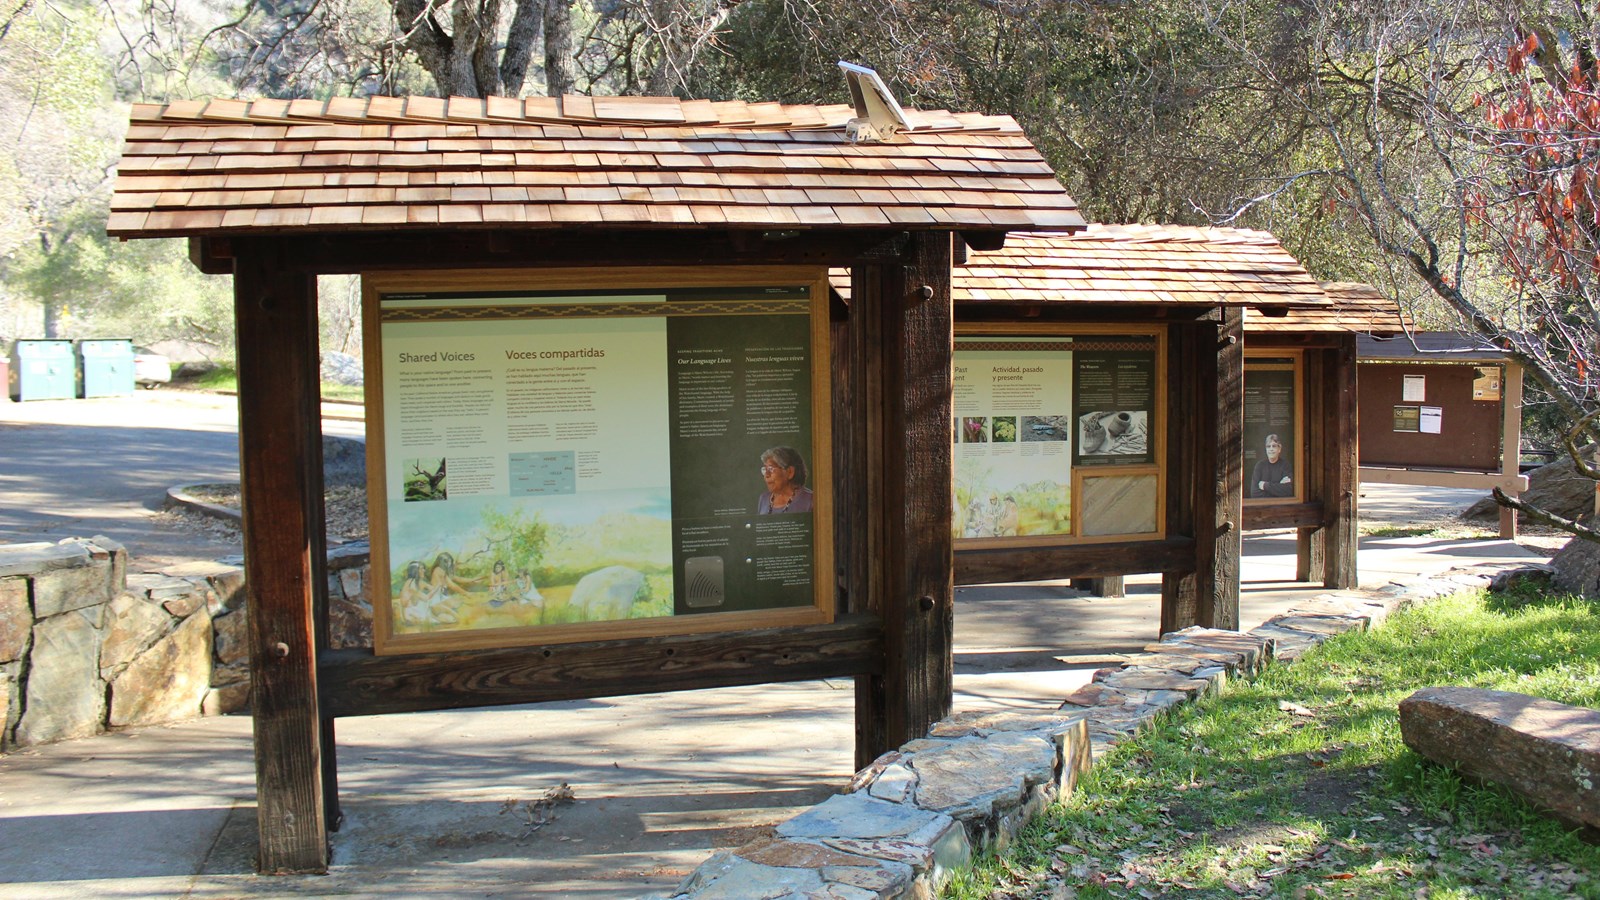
x=878 y=116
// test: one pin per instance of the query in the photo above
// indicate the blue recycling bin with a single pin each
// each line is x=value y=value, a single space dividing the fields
x=107 y=367
x=43 y=370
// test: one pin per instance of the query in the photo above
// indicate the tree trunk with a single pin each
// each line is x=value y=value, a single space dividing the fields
x=53 y=317
x=559 y=72
x=681 y=29
x=465 y=45
x=527 y=28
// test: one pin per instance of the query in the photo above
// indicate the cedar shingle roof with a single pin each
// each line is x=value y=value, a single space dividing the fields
x=1163 y=265
x=1356 y=307
x=233 y=167
x=1429 y=346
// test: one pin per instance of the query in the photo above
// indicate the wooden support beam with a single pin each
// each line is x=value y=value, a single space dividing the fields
x=1178 y=607
x=1283 y=515
x=1192 y=467
x=1228 y=486
x=1075 y=561
x=1310 y=538
x=1483 y=481
x=280 y=462
x=1510 y=440
x=356 y=683
x=917 y=603
x=1341 y=482
x=846 y=440
x=860 y=496
x=469 y=249
x=1310 y=553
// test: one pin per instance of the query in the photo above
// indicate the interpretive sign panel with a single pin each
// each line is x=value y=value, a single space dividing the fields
x=1031 y=410
x=1486 y=383
x=561 y=456
x=1407 y=419
x=1272 y=429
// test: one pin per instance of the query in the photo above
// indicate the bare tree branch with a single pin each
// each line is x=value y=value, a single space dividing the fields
x=21 y=10
x=1545 y=517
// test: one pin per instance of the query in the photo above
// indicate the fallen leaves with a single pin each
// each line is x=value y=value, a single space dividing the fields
x=536 y=814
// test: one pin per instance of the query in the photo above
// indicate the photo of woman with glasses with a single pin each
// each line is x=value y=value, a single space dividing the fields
x=784 y=472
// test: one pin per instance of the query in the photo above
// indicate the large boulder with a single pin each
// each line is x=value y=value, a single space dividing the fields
x=1576 y=568
x=606 y=595
x=344 y=461
x=1546 y=751
x=341 y=368
x=1557 y=487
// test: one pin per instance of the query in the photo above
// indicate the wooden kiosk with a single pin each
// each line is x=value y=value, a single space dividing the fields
x=505 y=240
x=1300 y=388
x=1442 y=409
x=1119 y=349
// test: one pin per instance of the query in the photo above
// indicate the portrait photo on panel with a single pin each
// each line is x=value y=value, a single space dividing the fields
x=1273 y=473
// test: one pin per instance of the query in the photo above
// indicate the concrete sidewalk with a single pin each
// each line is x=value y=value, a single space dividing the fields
x=659 y=780
x=78 y=468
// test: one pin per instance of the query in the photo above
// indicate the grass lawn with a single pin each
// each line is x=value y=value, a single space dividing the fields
x=1297 y=784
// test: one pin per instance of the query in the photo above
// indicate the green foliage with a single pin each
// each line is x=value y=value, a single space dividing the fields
x=63 y=131
x=1298 y=781
x=639 y=542
x=1137 y=107
x=519 y=537
x=146 y=290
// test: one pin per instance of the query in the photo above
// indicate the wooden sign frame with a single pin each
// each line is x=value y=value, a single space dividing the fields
x=581 y=295
x=1299 y=456
x=1156 y=425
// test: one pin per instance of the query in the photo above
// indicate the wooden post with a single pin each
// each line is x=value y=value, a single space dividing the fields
x=860 y=496
x=1310 y=553
x=1189 y=598
x=1340 y=477
x=1310 y=541
x=1229 y=487
x=917 y=599
x=280 y=463
x=1511 y=441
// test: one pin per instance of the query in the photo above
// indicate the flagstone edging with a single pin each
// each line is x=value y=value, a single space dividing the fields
x=905 y=822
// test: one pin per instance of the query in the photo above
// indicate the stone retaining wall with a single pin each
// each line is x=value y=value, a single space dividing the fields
x=86 y=648
x=903 y=823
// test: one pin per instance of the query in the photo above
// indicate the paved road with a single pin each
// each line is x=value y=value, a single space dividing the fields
x=77 y=468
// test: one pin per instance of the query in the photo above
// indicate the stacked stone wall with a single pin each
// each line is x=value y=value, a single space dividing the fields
x=86 y=648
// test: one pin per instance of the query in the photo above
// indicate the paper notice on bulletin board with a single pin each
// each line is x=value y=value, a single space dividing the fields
x=1486 y=383
x=1405 y=419
x=1430 y=419
x=1414 y=389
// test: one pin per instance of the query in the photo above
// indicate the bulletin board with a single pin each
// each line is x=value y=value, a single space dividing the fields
x=569 y=455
